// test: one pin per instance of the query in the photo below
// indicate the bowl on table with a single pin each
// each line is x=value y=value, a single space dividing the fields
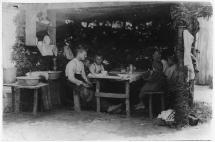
x=28 y=80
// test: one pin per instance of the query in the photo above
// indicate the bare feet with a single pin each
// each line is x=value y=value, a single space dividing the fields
x=114 y=107
x=139 y=106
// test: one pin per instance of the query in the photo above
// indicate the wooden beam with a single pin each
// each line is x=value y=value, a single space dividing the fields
x=111 y=95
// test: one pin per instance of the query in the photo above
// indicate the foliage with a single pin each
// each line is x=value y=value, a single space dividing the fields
x=23 y=59
x=181 y=105
x=203 y=111
x=186 y=14
x=134 y=43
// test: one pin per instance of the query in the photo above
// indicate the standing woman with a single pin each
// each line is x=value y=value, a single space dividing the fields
x=48 y=51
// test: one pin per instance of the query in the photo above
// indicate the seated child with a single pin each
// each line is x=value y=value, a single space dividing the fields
x=97 y=67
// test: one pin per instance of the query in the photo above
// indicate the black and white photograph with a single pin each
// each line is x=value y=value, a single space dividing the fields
x=107 y=70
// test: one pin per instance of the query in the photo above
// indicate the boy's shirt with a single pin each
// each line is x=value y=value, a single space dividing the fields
x=75 y=67
x=96 y=69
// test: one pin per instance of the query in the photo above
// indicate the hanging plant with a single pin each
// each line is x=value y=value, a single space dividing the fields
x=183 y=14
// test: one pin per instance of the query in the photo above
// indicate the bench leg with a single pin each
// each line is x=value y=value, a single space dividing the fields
x=150 y=107
x=17 y=100
x=35 y=101
x=162 y=102
x=77 y=107
x=127 y=101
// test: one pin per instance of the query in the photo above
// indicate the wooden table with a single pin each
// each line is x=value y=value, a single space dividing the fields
x=16 y=95
x=127 y=79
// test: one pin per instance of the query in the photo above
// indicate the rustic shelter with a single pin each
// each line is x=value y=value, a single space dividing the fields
x=128 y=29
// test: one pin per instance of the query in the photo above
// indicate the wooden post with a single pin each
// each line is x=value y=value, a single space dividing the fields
x=127 y=101
x=180 y=54
x=35 y=101
x=97 y=95
x=181 y=105
x=162 y=102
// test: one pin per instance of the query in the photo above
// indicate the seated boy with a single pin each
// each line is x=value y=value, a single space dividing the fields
x=97 y=67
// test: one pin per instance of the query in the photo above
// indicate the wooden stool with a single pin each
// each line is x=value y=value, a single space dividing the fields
x=150 y=94
x=16 y=96
x=76 y=98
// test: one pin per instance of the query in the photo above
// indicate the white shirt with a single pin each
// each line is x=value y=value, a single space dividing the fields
x=75 y=67
x=165 y=65
x=170 y=71
x=96 y=69
x=188 y=40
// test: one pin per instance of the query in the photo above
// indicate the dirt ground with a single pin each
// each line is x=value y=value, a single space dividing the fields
x=65 y=124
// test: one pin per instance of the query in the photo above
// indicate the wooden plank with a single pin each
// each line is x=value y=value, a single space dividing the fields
x=26 y=87
x=110 y=95
x=153 y=93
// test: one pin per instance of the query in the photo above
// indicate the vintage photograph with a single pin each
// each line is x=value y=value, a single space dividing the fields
x=120 y=70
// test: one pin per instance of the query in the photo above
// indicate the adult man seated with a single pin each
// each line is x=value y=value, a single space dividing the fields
x=155 y=80
x=76 y=76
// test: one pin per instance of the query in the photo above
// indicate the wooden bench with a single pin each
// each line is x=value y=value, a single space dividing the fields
x=16 y=96
x=150 y=94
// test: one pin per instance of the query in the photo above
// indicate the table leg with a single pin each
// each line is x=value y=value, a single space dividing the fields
x=35 y=101
x=162 y=102
x=150 y=107
x=13 y=98
x=127 y=100
x=49 y=96
x=97 y=97
x=17 y=100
